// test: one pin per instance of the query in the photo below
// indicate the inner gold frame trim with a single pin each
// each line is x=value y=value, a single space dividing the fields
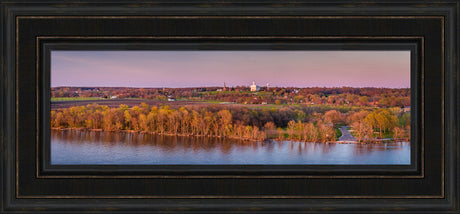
x=229 y=37
x=230 y=196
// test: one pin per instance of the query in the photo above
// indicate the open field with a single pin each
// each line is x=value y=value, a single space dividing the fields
x=113 y=103
x=74 y=98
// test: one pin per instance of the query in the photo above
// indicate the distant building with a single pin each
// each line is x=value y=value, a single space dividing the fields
x=223 y=88
x=406 y=109
x=254 y=87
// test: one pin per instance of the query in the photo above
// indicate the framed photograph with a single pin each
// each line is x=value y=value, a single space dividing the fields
x=250 y=107
x=197 y=107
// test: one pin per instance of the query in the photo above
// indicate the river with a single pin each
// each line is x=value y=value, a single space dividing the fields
x=93 y=147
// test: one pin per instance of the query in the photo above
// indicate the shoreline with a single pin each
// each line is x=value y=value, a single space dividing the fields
x=154 y=133
x=376 y=141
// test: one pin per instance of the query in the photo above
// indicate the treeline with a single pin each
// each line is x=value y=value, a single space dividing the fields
x=161 y=120
x=376 y=97
x=386 y=98
x=310 y=124
x=303 y=131
x=366 y=126
x=379 y=124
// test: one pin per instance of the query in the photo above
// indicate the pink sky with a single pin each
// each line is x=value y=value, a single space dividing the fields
x=390 y=69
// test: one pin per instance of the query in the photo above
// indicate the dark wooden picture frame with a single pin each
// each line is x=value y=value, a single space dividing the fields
x=30 y=184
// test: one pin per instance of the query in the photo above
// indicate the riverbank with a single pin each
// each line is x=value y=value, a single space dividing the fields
x=346 y=138
x=156 y=133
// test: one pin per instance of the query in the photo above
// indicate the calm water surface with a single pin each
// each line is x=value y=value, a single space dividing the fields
x=91 y=147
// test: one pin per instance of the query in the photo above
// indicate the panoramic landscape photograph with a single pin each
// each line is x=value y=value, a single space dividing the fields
x=245 y=107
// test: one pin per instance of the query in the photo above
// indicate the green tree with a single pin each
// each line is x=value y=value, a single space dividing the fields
x=381 y=119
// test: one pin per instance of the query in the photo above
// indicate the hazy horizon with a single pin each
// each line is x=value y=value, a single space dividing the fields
x=65 y=86
x=189 y=69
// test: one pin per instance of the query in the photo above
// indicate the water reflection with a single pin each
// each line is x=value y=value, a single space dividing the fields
x=92 y=147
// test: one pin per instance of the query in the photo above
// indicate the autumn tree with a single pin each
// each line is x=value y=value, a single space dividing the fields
x=280 y=133
x=224 y=119
x=310 y=133
x=357 y=116
x=359 y=129
x=334 y=117
x=291 y=129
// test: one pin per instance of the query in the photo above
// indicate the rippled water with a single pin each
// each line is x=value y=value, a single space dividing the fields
x=91 y=147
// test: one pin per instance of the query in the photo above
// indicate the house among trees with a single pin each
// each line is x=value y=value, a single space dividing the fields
x=406 y=109
x=171 y=98
x=254 y=87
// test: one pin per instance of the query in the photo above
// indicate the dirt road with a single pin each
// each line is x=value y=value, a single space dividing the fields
x=346 y=135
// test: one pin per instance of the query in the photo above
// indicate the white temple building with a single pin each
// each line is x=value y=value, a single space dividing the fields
x=254 y=87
